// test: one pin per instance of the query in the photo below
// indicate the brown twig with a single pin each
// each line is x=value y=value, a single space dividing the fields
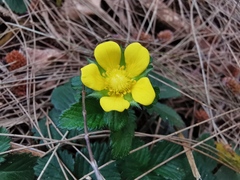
x=92 y=160
x=190 y=158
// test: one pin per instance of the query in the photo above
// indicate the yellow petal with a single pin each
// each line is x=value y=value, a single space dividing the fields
x=108 y=55
x=137 y=59
x=114 y=103
x=143 y=92
x=92 y=78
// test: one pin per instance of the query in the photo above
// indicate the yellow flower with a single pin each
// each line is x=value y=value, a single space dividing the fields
x=116 y=75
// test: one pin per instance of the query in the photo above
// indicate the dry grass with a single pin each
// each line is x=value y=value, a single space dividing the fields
x=201 y=55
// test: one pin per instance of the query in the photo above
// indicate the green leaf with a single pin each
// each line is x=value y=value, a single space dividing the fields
x=164 y=150
x=53 y=170
x=76 y=83
x=144 y=73
x=95 y=114
x=167 y=114
x=226 y=173
x=49 y=131
x=165 y=90
x=116 y=120
x=174 y=169
x=141 y=161
x=102 y=155
x=134 y=164
x=72 y=118
x=18 y=166
x=204 y=163
x=46 y=128
x=121 y=140
x=4 y=143
x=63 y=97
x=209 y=142
x=17 y=6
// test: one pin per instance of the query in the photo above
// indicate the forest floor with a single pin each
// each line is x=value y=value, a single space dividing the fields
x=194 y=44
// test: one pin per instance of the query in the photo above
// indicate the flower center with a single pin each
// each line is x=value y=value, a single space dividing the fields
x=118 y=82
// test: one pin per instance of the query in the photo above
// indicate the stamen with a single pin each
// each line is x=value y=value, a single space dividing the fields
x=118 y=82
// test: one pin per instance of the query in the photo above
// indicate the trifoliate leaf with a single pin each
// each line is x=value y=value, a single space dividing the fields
x=121 y=140
x=17 y=6
x=165 y=90
x=53 y=170
x=63 y=97
x=102 y=155
x=18 y=166
x=72 y=118
x=4 y=143
x=167 y=114
x=116 y=120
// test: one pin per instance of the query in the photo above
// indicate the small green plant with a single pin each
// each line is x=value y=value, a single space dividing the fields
x=112 y=93
x=117 y=85
x=110 y=99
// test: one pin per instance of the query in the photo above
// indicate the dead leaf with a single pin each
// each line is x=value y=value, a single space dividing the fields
x=228 y=155
x=41 y=58
x=72 y=8
x=24 y=149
